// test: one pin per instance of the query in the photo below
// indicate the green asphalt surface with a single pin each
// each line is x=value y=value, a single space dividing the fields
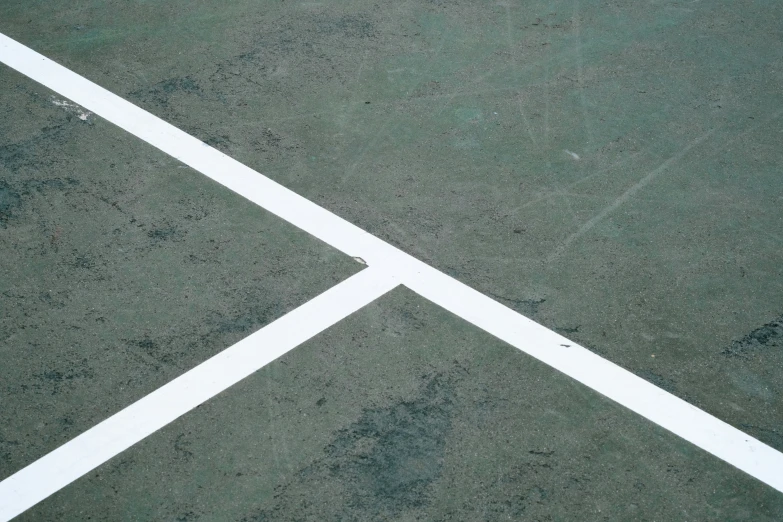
x=612 y=170
x=411 y=414
x=122 y=269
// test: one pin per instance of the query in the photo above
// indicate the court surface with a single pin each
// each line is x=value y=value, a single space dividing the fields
x=406 y=260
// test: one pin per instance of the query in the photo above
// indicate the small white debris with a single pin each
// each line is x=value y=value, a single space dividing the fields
x=72 y=107
x=359 y=260
x=572 y=154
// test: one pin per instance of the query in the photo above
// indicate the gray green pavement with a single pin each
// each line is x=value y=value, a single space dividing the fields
x=121 y=270
x=405 y=412
x=611 y=170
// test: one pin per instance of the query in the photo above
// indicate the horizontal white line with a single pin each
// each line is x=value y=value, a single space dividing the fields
x=92 y=448
x=694 y=425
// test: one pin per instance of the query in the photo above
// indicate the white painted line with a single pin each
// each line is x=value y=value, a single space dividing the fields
x=243 y=180
x=681 y=418
x=692 y=424
x=92 y=448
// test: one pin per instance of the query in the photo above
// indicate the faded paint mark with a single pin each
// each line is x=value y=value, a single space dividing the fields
x=80 y=111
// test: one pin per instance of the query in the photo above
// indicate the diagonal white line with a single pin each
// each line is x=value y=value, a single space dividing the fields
x=95 y=446
x=694 y=425
x=638 y=395
x=227 y=171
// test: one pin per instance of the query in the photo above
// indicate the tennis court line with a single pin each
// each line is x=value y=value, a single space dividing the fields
x=694 y=425
x=103 y=441
x=631 y=391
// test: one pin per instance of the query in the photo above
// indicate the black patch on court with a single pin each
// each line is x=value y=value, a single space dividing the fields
x=386 y=461
x=10 y=199
x=767 y=337
x=28 y=152
x=13 y=195
x=527 y=307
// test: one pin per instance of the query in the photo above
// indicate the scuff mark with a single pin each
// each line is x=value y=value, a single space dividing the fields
x=80 y=111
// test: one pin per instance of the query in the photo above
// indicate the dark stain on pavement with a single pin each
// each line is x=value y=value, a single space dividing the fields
x=10 y=200
x=768 y=336
x=527 y=307
x=29 y=152
x=658 y=380
x=162 y=92
x=389 y=457
x=382 y=465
